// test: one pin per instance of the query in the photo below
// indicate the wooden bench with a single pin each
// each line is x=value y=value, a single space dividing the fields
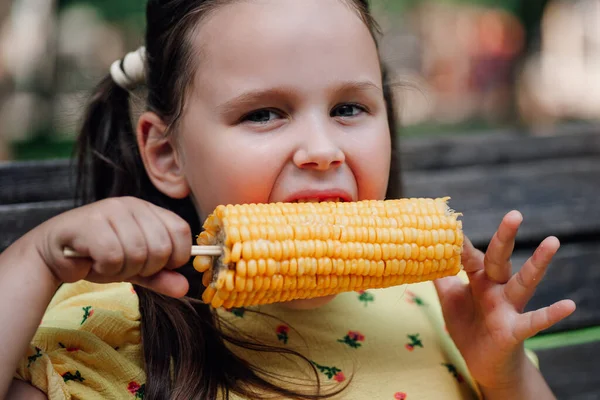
x=554 y=181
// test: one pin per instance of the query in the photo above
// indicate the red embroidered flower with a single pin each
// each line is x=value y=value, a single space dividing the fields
x=356 y=336
x=133 y=387
x=339 y=377
x=400 y=396
x=282 y=329
x=409 y=347
x=360 y=292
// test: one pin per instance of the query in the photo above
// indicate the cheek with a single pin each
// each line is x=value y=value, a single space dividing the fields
x=370 y=158
x=238 y=169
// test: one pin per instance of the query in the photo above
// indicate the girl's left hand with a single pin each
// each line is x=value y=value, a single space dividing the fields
x=485 y=317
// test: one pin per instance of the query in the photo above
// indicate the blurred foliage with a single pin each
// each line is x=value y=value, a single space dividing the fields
x=111 y=10
x=402 y=5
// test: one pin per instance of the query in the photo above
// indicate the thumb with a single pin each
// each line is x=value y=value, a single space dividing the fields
x=166 y=282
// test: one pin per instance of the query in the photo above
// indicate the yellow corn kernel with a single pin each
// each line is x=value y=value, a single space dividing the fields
x=202 y=263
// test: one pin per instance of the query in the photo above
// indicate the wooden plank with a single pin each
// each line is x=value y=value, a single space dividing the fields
x=28 y=182
x=498 y=148
x=574 y=274
x=556 y=197
x=16 y=220
x=572 y=371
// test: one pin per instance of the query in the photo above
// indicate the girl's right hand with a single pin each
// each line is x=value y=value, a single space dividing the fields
x=123 y=239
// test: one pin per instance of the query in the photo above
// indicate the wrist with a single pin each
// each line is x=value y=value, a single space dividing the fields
x=518 y=380
x=24 y=261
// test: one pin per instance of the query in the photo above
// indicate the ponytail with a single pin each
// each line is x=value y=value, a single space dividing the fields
x=108 y=154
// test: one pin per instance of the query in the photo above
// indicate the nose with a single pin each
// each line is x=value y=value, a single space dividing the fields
x=318 y=151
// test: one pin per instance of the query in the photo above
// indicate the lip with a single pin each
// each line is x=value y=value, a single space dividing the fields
x=319 y=194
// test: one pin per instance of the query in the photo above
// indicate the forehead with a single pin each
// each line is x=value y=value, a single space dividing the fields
x=305 y=43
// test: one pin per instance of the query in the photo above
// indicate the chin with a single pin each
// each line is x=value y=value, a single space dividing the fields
x=308 y=304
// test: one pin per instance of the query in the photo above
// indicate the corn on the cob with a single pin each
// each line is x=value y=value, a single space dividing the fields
x=286 y=251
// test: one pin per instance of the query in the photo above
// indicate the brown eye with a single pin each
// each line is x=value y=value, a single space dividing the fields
x=262 y=116
x=347 y=110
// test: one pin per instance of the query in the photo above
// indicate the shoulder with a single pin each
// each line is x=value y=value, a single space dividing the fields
x=88 y=341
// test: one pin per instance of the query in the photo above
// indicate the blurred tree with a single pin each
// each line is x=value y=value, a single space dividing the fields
x=111 y=10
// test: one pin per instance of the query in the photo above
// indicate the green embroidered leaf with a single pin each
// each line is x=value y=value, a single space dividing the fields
x=70 y=377
x=88 y=312
x=33 y=358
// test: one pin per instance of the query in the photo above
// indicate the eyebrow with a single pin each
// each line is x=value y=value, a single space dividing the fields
x=252 y=97
x=358 y=86
x=255 y=96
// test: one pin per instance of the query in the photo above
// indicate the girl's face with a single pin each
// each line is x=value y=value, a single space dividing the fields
x=287 y=105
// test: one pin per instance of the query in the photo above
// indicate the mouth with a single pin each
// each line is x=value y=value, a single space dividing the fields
x=336 y=196
x=317 y=200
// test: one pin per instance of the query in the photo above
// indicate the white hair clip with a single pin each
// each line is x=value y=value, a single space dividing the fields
x=130 y=72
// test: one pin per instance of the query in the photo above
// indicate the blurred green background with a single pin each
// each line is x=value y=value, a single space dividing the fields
x=463 y=66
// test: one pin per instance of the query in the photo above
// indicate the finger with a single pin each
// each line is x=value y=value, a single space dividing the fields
x=533 y=322
x=169 y=283
x=497 y=257
x=103 y=246
x=471 y=258
x=521 y=287
x=157 y=239
x=129 y=233
x=67 y=269
x=180 y=234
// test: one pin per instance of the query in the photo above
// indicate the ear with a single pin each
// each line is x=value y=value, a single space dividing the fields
x=160 y=156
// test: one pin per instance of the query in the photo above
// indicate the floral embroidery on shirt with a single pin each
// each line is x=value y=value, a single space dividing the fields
x=69 y=349
x=339 y=377
x=400 y=396
x=282 y=333
x=414 y=299
x=33 y=358
x=353 y=339
x=68 y=376
x=137 y=389
x=365 y=297
x=238 y=312
x=452 y=369
x=331 y=372
x=415 y=341
x=87 y=313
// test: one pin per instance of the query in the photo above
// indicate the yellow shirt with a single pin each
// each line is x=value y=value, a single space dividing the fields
x=391 y=341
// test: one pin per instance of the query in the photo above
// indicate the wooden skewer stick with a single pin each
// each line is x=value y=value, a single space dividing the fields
x=195 y=251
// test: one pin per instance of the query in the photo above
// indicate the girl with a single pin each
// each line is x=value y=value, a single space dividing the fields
x=249 y=102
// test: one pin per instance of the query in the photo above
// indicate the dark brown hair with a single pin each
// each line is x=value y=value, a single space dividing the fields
x=184 y=341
